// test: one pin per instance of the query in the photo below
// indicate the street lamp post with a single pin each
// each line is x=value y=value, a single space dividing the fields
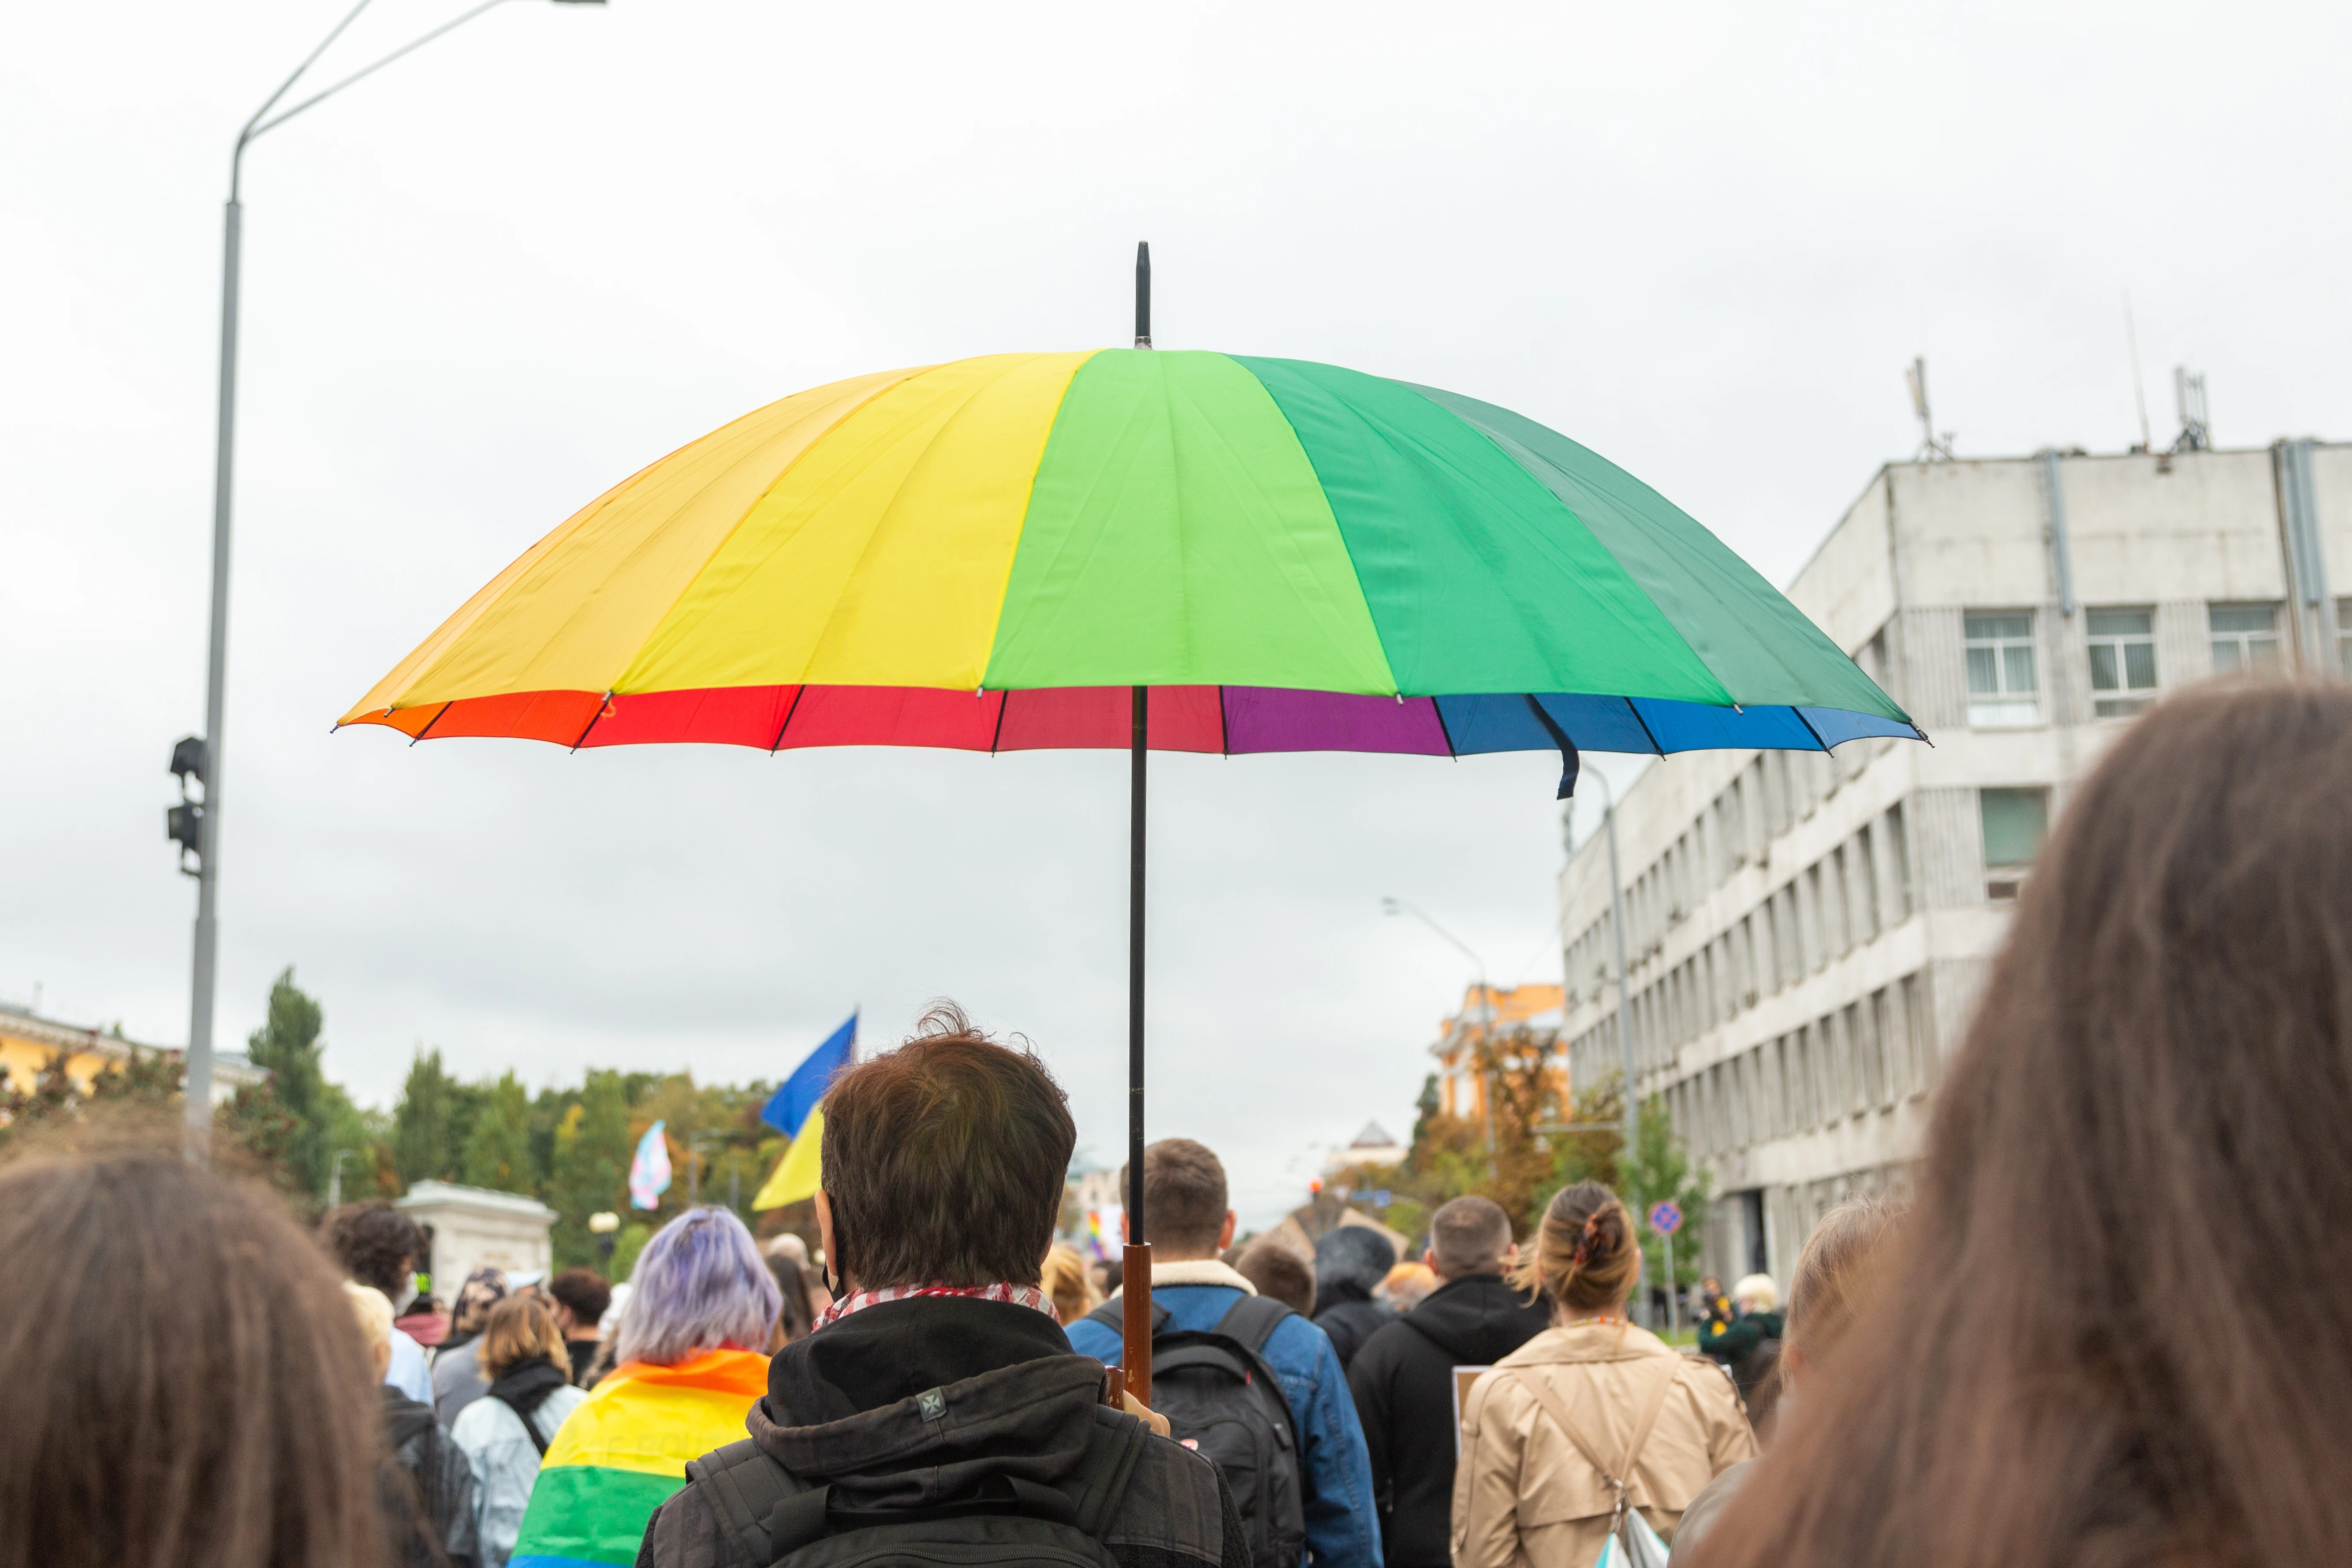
x=1394 y=906
x=1617 y=932
x=206 y=755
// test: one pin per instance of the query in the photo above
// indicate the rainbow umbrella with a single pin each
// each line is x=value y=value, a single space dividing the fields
x=1179 y=551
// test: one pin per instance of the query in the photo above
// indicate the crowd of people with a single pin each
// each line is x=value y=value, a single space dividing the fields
x=2106 y=1329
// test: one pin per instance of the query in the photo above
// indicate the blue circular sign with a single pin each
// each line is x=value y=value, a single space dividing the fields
x=1667 y=1217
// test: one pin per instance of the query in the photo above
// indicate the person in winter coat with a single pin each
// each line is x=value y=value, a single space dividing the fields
x=1403 y=1381
x=1523 y=1490
x=1748 y=1341
x=426 y=1488
x=1189 y=1223
x=942 y=1377
x=526 y=1366
x=1350 y=1263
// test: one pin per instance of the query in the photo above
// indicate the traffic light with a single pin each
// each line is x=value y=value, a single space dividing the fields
x=183 y=824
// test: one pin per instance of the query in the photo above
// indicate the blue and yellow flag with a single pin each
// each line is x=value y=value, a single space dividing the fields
x=795 y=1111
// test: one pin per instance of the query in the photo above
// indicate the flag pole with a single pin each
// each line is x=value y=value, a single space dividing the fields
x=1135 y=1262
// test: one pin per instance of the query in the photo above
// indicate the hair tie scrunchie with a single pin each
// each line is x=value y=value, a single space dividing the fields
x=1585 y=1241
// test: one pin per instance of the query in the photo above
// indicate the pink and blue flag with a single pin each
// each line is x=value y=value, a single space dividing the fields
x=649 y=1171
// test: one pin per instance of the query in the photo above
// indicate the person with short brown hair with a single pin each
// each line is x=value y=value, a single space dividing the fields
x=580 y=1297
x=942 y=1377
x=1188 y=1221
x=505 y=1434
x=1278 y=1272
x=1402 y=1380
x=1591 y=1405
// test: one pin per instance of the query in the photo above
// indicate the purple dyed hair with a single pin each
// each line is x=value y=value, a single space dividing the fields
x=700 y=1283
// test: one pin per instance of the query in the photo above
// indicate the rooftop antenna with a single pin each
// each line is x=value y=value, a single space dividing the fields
x=2139 y=388
x=2188 y=397
x=1930 y=449
x=1143 y=293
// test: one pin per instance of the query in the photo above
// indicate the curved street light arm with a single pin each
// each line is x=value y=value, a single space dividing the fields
x=409 y=47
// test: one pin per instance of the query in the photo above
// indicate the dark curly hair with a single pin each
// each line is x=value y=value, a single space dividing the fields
x=375 y=1244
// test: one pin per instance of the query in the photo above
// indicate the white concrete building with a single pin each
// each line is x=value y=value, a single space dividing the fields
x=477 y=1227
x=1808 y=933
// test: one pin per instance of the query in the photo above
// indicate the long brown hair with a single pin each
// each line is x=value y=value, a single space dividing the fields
x=2120 y=1333
x=1584 y=1256
x=187 y=1383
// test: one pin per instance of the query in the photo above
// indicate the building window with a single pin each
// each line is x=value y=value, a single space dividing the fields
x=2015 y=823
x=2001 y=685
x=2123 y=661
x=2245 y=637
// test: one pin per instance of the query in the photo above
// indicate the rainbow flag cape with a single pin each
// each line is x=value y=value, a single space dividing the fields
x=620 y=1455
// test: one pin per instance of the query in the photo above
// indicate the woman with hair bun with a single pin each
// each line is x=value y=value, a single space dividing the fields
x=1589 y=1414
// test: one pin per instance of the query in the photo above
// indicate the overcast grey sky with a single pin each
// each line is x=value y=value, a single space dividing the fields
x=1703 y=239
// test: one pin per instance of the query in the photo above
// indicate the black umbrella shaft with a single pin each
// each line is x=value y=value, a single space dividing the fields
x=1138 y=766
x=1142 y=294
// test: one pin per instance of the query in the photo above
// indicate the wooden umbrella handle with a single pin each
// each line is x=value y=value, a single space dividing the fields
x=1135 y=1321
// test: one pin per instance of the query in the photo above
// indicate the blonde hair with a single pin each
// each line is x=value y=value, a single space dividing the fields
x=1585 y=1257
x=1408 y=1284
x=520 y=1327
x=1757 y=1290
x=1065 y=1280
x=373 y=1308
x=1840 y=1271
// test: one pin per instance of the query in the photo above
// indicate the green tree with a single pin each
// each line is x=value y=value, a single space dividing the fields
x=433 y=1122
x=1659 y=1169
x=589 y=1172
x=497 y=1150
x=286 y=1046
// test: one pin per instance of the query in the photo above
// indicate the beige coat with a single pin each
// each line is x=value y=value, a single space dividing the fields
x=1526 y=1496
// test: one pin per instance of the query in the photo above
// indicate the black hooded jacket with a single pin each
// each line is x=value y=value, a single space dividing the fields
x=1348 y=1313
x=844 y=1408
x=1402 y=1379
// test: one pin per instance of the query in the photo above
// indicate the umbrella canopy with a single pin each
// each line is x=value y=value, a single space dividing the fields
x=1145 y=549
x=988 y=553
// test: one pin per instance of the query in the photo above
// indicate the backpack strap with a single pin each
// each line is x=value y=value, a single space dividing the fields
x=530 y=1428
x=1252 y=1320
x=1620 y=1475
x=1109 y=1316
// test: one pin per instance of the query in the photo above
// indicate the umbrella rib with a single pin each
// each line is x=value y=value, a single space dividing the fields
x=1005 y=701
x=1646 y=733
x=1808 y=723
x=601 y=708
x=1443 y=728
x=790 y=708
x=428 y=725
x=1224 y=725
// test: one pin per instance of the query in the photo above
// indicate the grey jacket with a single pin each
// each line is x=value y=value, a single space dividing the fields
x=505 y=1463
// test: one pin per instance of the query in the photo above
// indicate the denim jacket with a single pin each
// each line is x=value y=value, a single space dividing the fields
x=1342 y=1531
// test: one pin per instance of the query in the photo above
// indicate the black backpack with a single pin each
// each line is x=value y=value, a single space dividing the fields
x=1223 y=1401
x=776 y=1517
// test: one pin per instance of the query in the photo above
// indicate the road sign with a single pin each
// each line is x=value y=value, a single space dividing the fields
x=1667 y=1217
